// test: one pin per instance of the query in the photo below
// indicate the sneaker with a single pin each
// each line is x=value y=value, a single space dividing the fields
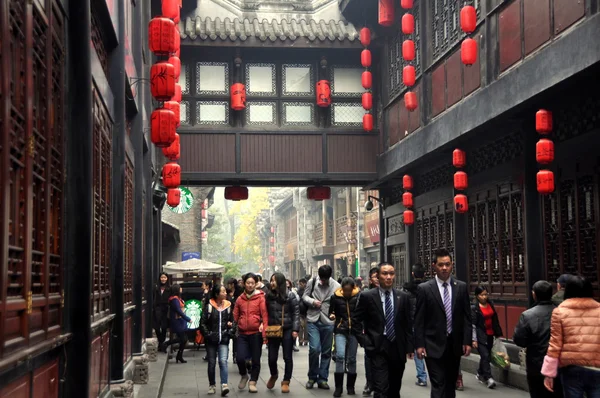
x=243 y=382
x=296 y=349
x=323 y=385
x=421 y=383
x=224 y=390
x=212 y=390
x=252 y=387
x=491 y=383
x=310 y=384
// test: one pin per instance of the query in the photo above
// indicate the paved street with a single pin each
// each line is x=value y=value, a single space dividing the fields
x=190 y=380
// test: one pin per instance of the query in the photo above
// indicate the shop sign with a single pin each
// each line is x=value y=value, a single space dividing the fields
x=372 y=225
x=193 y=309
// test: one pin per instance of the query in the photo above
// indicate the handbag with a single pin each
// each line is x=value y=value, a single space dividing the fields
x=276 y=331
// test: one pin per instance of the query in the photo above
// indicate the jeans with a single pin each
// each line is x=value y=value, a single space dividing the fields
x=249 y=346
x=421 y=373
x=485 y=351
x=211 y=352
x=345 y=353
x=302 y=335
x=288 y=345
x=320 y=338
x=577 y=380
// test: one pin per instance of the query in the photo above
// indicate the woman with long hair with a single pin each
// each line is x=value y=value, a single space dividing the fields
x=486 y=327
x=284 y=312
x=234 y=291
x=216 y=327
x=161 y=309
x=179 y=321
x=575 y=342
x=251 y=318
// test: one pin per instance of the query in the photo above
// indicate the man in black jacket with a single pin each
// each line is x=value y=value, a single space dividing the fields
x=418 y=273
x=533 y=333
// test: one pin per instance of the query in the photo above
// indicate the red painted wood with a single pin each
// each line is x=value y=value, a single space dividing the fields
x=438 y=90
x=208 y=152
x=414 y=118
x=501 y=311
x=472 y=74
x=364 y=148
x=566 y=13
x=20 y=388
x=281 y=152
x=105 y=360
x=45 y=381
x=536 y=14
x=395 y=135
x=95 y=367
x=513 y=313
x=509 y=34
x=454 y=78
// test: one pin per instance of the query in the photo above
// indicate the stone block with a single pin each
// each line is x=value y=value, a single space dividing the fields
x=152 y=349
x=140 y=369
x=124 y=389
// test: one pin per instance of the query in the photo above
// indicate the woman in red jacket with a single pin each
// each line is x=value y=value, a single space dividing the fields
x=250 y=315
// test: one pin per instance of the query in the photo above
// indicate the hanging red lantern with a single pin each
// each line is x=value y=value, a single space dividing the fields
x=204 y=214
x=365 y=36
x=409 y=75
x=162 y=127
x=176 y=108
x=543 y=121
x=170 y=8
x=272 y=249
x=171 y=175
x=367 y=79
x=323 y=94
x=173 y=151
x=365 y=58
x=272 y=230
x=162 y=81
x=407 y=199
x=545 y=182
x=544 y=151
x=271 y=240
x=408 y=50
x=271 y=259
x=407 y=182
x=204 y=235
x=368 y=122
x=176 y=40
x=367 y=101
x=406 y=4
x=161 y=36
x=177 y=96
x=178 y=53
x=176 y=62
x=409 y=217
x=459 y=158
x=461 y=181
x=408 y=24
x=386 y=12
x=461 y=203
x=468 y=19
x=468 y=51
x=238 y=96
x=410 y=100
x=236 y=193
x=173 y=197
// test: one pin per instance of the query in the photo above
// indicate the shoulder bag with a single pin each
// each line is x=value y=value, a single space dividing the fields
x=276 y=331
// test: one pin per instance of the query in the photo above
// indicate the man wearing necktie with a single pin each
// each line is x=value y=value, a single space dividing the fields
x=388 y=332
x=443 y=327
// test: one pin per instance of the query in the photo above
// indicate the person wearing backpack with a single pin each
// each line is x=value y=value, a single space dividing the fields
x=216 y=326
x=302 y=337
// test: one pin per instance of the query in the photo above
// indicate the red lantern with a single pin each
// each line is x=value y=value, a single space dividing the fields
x=408 y=50
x=468 y=51
x=323 y=94
x=171 y=175
x=176 y=108
x=161 y=36
x=367 y=101
x=176 y=62
x=271 y=240
x=544 y=151
x=365 y=36
x=461 y=181
x=407 y=182
x=204 y=214
x=459 y=158
x=173 y=197
x=272 y=230
x=461 y=203
x=409 y=217
x=178 y=53
x=410 y=100
x=367 y=79
x=408 y=24
x=318 y=193
x=170 y=8
x=162 y=127
x=204 y=235
x=545 y=182
x=409 y=75
x=176 y=40
x=236 y=193
x=468 y=19
x=406 y=4
x=238 y=96
x=271 y=259
x=173 y=151
x=368 y=122
x=162 y=81
x=177 y=96
x=407 y=200
x=365 y=58
x=543 y=121
x=272 y=249
x=386 y=12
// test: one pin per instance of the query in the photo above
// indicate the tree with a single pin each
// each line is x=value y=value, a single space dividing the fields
x=232 y=270
x=217 y=247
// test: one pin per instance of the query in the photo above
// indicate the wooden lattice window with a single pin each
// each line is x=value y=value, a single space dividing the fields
x=395 y=61
x=497 y=240
x=445 y=23
x=98 y=41
x=128 y=241
x=434 y=230
x=102 y=207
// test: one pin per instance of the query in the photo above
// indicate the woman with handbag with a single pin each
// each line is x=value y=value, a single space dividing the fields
x=179 y=321
x=250 y=316
x=284 y=324
x=486 y=327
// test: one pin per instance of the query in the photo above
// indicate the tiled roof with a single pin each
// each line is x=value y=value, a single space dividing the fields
x=237 y=29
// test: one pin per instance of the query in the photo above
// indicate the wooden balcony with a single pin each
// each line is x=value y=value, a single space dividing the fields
x=318 y=234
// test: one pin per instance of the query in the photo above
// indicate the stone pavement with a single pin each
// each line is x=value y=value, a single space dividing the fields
x=190 y=380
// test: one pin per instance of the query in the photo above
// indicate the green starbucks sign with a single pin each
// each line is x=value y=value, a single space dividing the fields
x=193 y=309
x=186 y=202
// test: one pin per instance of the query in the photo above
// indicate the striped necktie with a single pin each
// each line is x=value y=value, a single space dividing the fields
x=389 y=317
x=447 y=308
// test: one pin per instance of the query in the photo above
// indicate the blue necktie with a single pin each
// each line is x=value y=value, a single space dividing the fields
x=389 y=317
x=447 y=308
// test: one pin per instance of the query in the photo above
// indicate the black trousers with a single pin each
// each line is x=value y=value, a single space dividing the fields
x=368 y=370
x=181 y=339
x=443 y=372
x=535 y=381
x=387 y=369
x=287 y=342
x=249 y=346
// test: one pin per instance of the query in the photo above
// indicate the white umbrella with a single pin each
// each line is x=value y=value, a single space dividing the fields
x=193 y=265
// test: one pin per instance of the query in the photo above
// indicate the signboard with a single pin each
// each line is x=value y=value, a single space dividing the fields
x=193 y=309
x=189 y=255
x=185 y=203
x=372 y=225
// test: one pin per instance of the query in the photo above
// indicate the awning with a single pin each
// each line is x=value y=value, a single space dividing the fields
x=193 y=265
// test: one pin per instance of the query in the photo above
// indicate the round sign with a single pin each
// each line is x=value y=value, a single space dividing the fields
x=193 y=309
x=186 y=202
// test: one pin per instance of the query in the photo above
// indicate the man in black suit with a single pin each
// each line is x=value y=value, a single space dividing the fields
x=443 y=328
x=388 y=332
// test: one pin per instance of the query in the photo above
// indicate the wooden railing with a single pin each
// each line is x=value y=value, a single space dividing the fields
x=341 y=226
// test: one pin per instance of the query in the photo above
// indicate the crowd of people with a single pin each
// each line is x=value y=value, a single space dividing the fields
x=432 y=322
